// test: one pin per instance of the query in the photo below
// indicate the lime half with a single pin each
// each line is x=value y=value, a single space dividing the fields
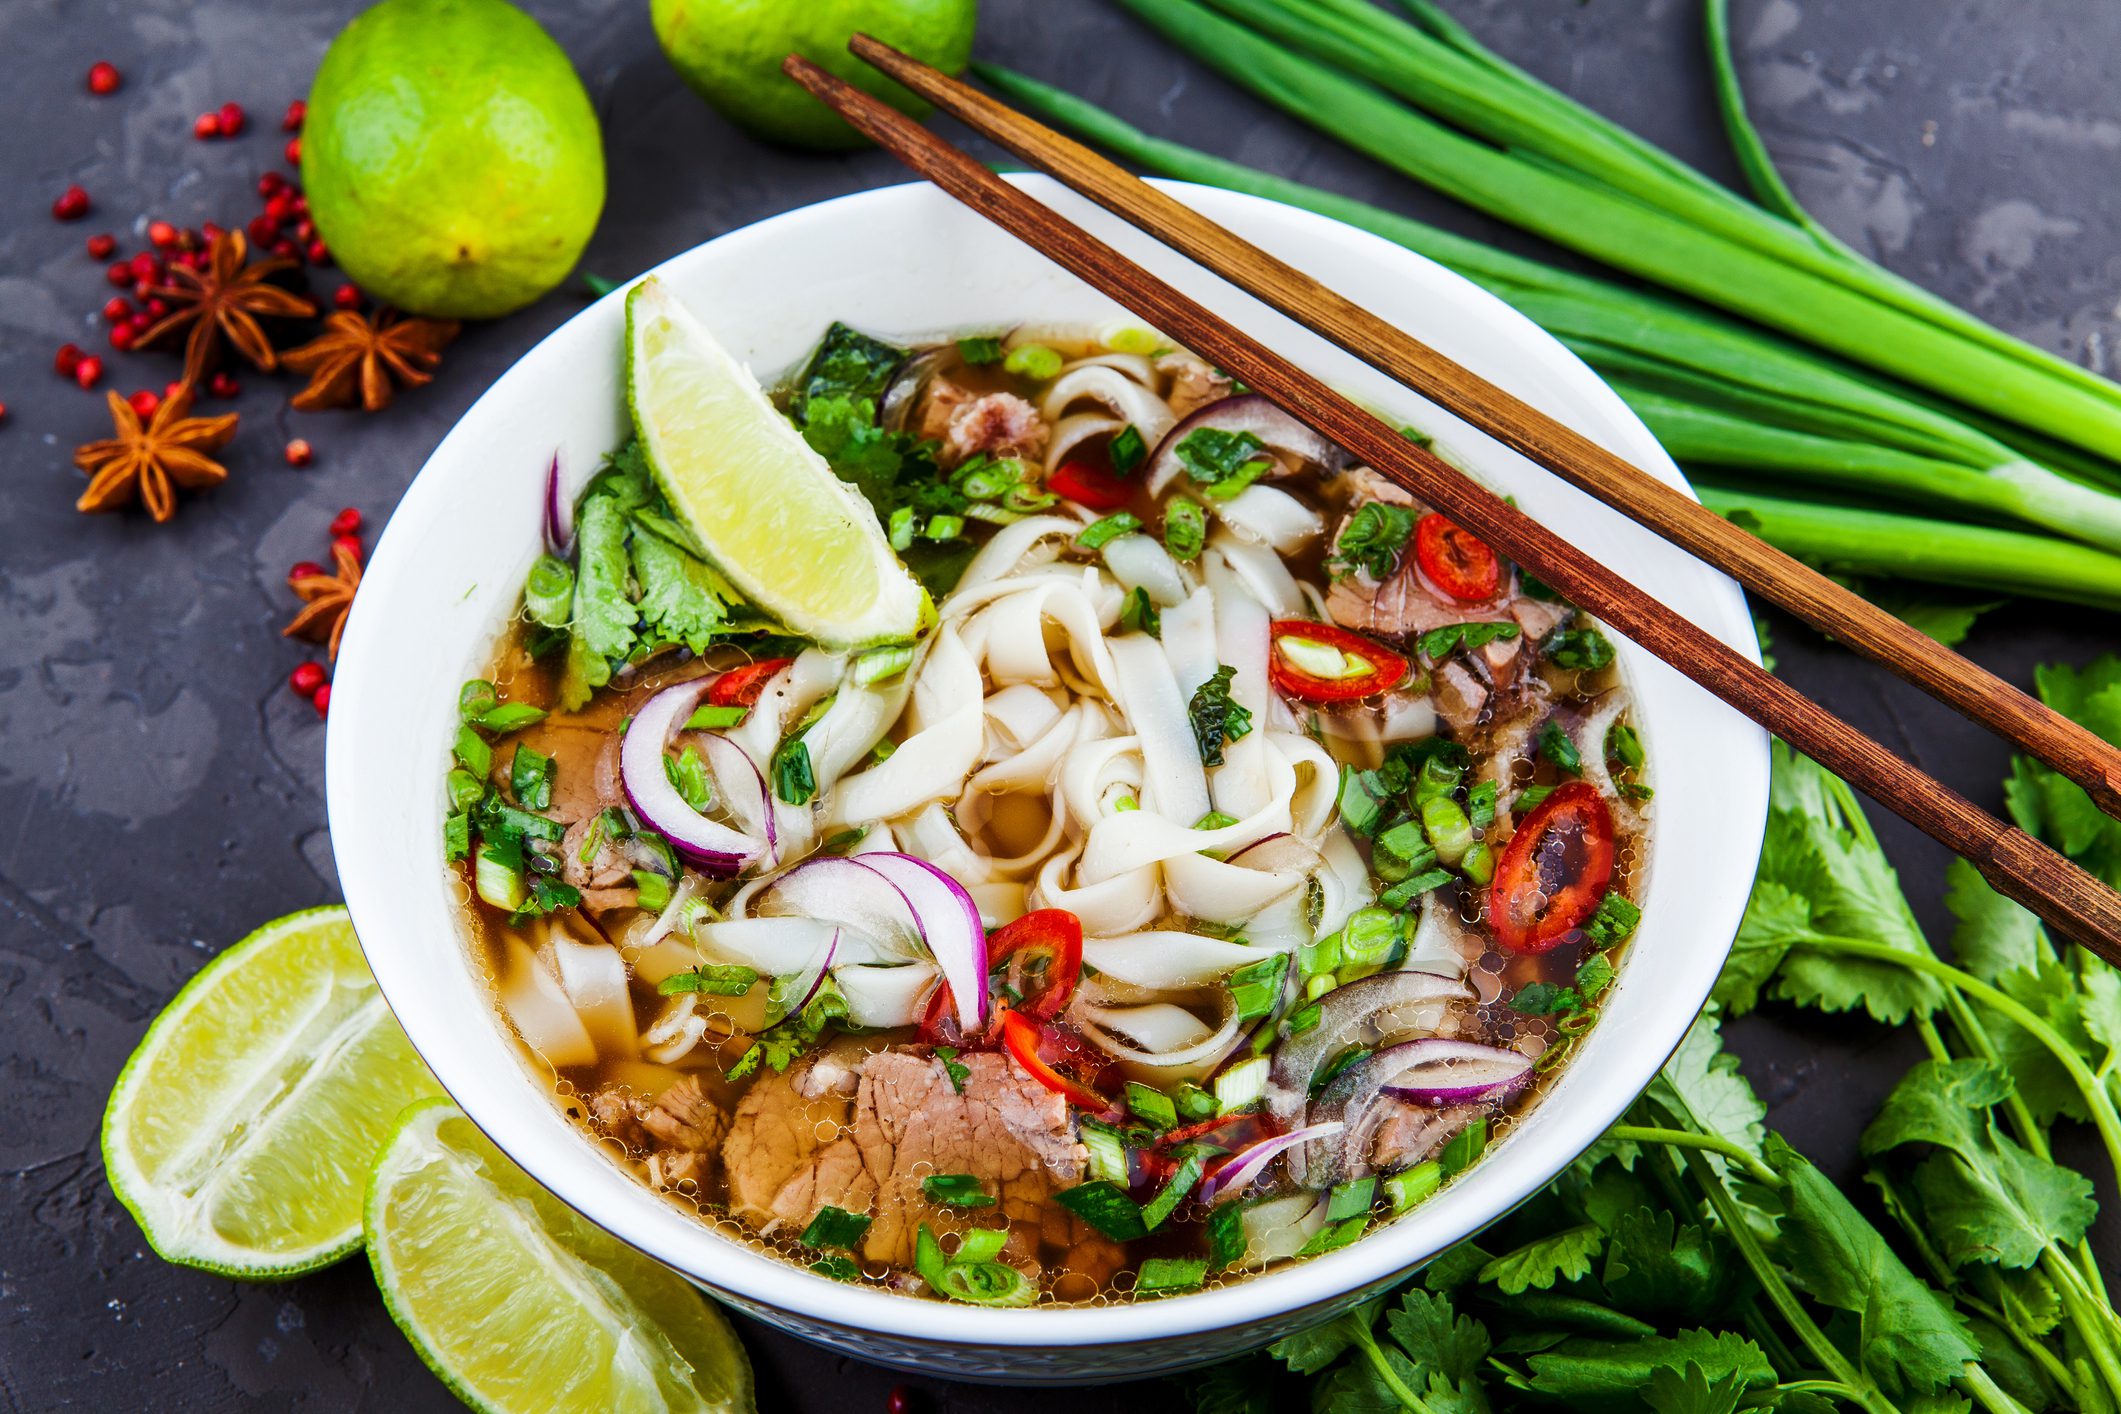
x=519 y=1304
x=242 y=1130
x=799 y=542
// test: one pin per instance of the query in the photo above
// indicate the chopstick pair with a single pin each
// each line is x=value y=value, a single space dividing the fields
x=2018 y=866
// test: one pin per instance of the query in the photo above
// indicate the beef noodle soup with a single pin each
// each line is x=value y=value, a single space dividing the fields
x=1223 y=867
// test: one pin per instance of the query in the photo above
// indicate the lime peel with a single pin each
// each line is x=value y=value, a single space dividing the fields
x=518 y=1304
x=239 y=1132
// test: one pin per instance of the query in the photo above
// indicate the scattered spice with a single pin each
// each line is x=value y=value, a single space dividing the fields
x=347 y=297
x=67 y=360
x=346 y=522
x=104 y=79
x=299 y=452
x=145 y=402
x=296 y=112
x=147 y=460
x=232 y=119
x=223 y=385
x=306 y=679
x=102 y=246
x=71 y=204
x=366 y=359
x=206 y=126
x=322 y=700
x=225 y=299
x=89 y=371
x=294 y=152
x=326 y=600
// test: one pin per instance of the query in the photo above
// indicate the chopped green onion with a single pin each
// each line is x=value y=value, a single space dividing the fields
x=1411 y=1186
x=465 y=789
x=943 y=528
x=1226 y=1234
x=1371 y=935
x=1173 y=1193
x=1125 y=803
x=901 y=529
x=1612 y=921
x=1185 y=528
x=837 y=1267
x=1449 y=830
x=653 y=890
x=719 y=979
x=1255 y=988
x=475 y=699
x=1594 y=976
x=1214 y=820
x=793 y=779
x=1531 y=797
x=1622 y=745
x=548 y=594
x=956 y=1190
x=510 y=717
x=1408 y=890
x=981 y=1244
x=1194 y=1104
x=1242 y=1084
x=472 y=751
x=530 y=778
x=1170 y=1274
x=497 y=874
x=987 y=481
x=712 y=718
x=1465 y=1146
x=991 y=514
x=1554 y=744
x=952 y=1067
x=456 y=837
x=979 y=1282
x=1098 y=533
x=1401 y=851
x=1134 y=340
x=1107 y=1151
x=1578 y=649
x=1334 y=1236
x=1033 y=361
x=1026 y=497
x=879 y=664
x=1480 y=803
x=1106 y=1207
x=1139 y=615
x=1151 y=1106
x=1126 y=449
x=688 y=772
x=1351 y=1199
x=1362 y=806
x=980 y=349
x=1479 y=863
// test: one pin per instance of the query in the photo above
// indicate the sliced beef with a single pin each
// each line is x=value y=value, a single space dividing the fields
x=1460 y=697
x=906 y=1122
x=616 y=1111
x=1193 y=384
x=1408 y=1134
x=678 y=1132
x=607 y=866
x=1537 y=617
x=967 y=424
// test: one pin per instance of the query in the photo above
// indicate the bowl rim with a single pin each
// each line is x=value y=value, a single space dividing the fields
x=742 y=1271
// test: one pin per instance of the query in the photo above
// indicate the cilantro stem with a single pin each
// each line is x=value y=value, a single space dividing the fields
x=1834 y=1388
x=2101 y=1351
x=2096 y=1099
x=1987 y=1393
x=1386 y=1373
x=1688 y=1139
x=1856 y=1386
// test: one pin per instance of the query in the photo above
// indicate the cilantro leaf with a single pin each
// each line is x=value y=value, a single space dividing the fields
x=868 y=457
x=1692 y=1391
x=1216 y=716
x=1601 y=1374
x=1777 y=918
x=1995 y=935
x=1908 y=1337
x=1435 y=1336
x=602 y=628
x=1372 y=540
x=1987 y=1199
x=682 y=598
x=847 y=364
x=1656 y=1265
x=1308 y=1352
x=1701 y=1081
x=1243 y=1386
x=1560 y=1256
x=1223 y=463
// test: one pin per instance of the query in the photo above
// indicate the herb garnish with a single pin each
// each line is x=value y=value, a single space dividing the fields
x=956 y=1190
x=1372 y=540
x=1439 y=643
x=1223 y=463
x=1216 y=716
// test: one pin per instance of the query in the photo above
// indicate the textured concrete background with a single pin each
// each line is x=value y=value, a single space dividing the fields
x=161 y=790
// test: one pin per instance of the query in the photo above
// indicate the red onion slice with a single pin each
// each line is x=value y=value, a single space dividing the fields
x=559 y=511
x=716 y=849
x=744 y=792
x=1364 y=1012
x=1246 y=412
x=843 y=890
x=950 y=925
x=1436 y=1073
x=1247 y=1167
x=817 y=977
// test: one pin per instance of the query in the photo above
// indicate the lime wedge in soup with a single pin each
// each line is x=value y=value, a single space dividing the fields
x=241 y=1133
x=799 y=542
x=521 y=1305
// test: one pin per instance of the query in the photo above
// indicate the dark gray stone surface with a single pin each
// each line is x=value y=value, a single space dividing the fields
x=160 y=789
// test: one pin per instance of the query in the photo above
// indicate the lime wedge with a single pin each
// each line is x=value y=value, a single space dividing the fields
x=522 y=1306
x=799 y=542
x=240 y=1133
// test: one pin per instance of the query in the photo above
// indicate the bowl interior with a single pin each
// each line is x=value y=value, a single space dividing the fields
x=907 y=262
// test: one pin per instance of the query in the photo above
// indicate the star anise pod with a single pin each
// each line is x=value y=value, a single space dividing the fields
x=225 y=300
x=147 y=462
x=327 y=600
x=366 y=360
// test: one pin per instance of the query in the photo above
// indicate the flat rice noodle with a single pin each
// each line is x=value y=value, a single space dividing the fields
x=1076 y=428
x=1135 y=366
x=1000 y=902
x=1271 y=517
x=932 y=834
x=850 y=729
x=786 y=696
x=1189 y=637
x=1118 y=904
x=1263 y=574
x=1168 y=961
x=1018 y=716
x=1442 y=943
x=1278 y=1228
x=1140 y=562
x=943 y=747
x=1009 y=635
x=1244 y=783
x=1229 y=890
x=787 y=947
x=1174 y=786
x=592 y=976
x=1165 y=1042
x=1125 y=398
x=1016 y=547
x=540 y=1011
x=1343 y=881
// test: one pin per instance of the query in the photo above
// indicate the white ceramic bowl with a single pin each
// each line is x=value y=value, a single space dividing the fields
x=906 y=262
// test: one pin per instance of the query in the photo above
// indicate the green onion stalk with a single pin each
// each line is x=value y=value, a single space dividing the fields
x=1717 y=393
x=1427 y=100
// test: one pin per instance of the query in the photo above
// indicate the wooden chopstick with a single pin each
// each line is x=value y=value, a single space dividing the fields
x=2017 y=865
x=1776 y=577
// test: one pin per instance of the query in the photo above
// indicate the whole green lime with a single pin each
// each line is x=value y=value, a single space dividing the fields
x=730 y=51
x=451 y=157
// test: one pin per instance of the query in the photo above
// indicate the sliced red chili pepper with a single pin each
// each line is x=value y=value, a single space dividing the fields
x=1456 y=560
x=1232 y=1133
x=1383 y=668
x=1025 y=1039
x=1039 y=957
x=1092 y=482
x=1554 y=871
x=740 y=687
